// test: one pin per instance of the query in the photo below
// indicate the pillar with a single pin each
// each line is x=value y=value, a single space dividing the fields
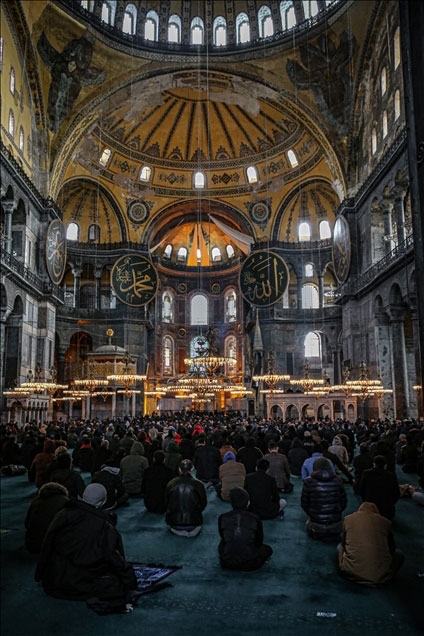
x=398 y=363
x=77 y=279
x=387 y=207
x=399 y=193
x=8 y=207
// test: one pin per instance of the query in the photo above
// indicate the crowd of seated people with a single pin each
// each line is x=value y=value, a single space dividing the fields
x=173 y=461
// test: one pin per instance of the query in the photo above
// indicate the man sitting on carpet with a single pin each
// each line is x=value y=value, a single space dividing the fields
x=82 y=556
x=263 y=492
x=241 y=532
x=367 y=553
x=185 y=501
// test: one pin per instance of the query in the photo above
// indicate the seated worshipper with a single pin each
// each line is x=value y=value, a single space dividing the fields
x=185 y=501
x=296 y=456
x=361 y=462
x=278 y=467
x=155 y=480
x=51 y=498
x=338 y=449
x=308 y=464
x=132 y=469
x=249 y=455
x=323 y=499
x=381 y=487
x=64 y=474
x=241 y=546
x=263 y=492
x=207 y=460
x=39 y=467
x=367 y=553
x=109 y=476
x=231 y=474
x=101 y=454
x=173 y=457
x=337 y=463
x=82 y=556
x=83 y=455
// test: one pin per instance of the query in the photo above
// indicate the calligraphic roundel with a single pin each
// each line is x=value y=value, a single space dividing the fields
x=342 y=250
x=134 y=280
x=56 y=251
x=263 y=278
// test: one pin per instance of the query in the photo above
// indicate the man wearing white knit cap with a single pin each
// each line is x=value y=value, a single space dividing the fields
x=82 y=555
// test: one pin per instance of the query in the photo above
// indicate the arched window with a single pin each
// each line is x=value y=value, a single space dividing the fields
x=383 y=81
x=216 y=254
x=310 y=8
x=309 y=270
x=266 y=25
x=168 y=355
x=242 y=28
x=21 y=139
x=230 y=306
x=231 y=352
x=182 y=254
x=198 y=346
x=373 y=141
x=174 y=28
x=312 y=345
x=145 y=174
x=167 y=307
x=88 y=5
x=11 y=123
x=93 y=233
x=230 y=251
x=151 y=26
x=197 y=31
x=105 y=157
x=130 y=19
x=220 y=31
x=199 y=180
x=168 y=251
x=199 y=310
x=304 y=232
x=12 y=80
x=324 y=230
x=108 y=12
x=385 y=124
x=252 y=174
x=288 y=16
x=397 y=104
x=310 y=298
x=396 y=49
x=72 y=232
x=292 y=158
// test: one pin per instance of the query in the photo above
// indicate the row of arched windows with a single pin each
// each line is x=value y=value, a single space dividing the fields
x=199 y=307
x=383 y=130
x=265 y=22
x=199 y=177
x=312 y=349
x=73 y=232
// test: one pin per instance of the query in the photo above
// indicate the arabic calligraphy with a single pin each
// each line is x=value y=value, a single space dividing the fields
x=56 y=251
x=341 y=249
x=263 y=278
x=134 y=280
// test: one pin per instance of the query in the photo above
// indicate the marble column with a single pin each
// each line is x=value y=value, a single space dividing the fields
x=387 y=207
x=398 y=362
x=98 y=277
x=8 y=207
x=77 y=279
x=399 y=193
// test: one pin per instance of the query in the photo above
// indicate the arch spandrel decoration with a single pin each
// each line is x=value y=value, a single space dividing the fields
x=263 y=278
x=56 y=251
x=134 y=280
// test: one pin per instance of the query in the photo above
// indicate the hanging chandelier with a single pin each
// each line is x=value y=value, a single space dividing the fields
x=35 y=384
x=128 y=378
x=307 y=383
x=271 y=379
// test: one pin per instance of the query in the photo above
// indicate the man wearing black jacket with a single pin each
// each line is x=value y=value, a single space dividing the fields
x=241 y=546
x=263 y=492
x=82 y=556
x=185 y=502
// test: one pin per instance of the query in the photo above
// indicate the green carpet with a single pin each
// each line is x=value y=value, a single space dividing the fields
x=281 y=599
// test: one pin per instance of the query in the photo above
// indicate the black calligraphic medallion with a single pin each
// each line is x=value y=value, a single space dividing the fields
x=342 y=250
x=134 y=280
x=56 y=251
x=263 y=278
